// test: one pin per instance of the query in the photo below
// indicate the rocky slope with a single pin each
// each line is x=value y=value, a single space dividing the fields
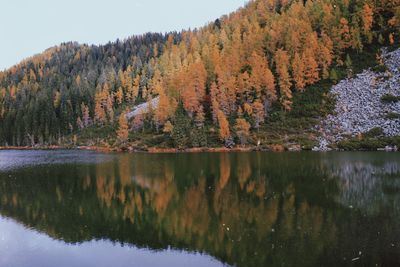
x=359 y=107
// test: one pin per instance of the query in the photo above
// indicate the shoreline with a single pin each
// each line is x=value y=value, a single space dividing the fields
x=154 y=150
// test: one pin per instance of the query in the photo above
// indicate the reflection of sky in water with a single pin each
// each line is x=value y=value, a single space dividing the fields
x=12 y=159
x=40 y=250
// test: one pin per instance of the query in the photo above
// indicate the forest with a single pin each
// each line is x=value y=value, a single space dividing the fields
x=246 y=76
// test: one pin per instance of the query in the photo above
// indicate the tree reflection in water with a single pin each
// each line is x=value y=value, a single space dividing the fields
x=246 y=209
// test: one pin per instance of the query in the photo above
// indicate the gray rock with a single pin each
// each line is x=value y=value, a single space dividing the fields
x=359 y=107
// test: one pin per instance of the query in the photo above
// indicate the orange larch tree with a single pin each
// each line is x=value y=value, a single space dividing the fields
x=298 y=72
x=311 y=70
x=194 y=88
x=119 y=96
x=224 y=132
x=100 y=117
x=110 y=108
x=344 y=40
x=262 y=79
x=162 y=113
x=325 y=56
x=282 y=63
x=367 y=18
x=214 y=101
x=123 y=128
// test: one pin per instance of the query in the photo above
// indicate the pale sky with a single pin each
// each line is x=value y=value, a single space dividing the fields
x=28 y=27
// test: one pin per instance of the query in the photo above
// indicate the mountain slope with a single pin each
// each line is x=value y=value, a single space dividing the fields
x=228 y=82
x=41 y=98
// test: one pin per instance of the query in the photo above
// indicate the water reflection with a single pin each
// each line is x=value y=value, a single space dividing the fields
x=248 y=209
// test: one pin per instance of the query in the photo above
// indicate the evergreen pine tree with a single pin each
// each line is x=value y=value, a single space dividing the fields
x=181 y=132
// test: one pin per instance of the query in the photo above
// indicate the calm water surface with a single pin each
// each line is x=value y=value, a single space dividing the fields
x=76 y=208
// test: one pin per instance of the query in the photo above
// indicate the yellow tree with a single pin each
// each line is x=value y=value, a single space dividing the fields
x=110 y=107
x=391 y=38
x=311 y=70
x=57 y=100
x=298 y=72
x=123 y=128
x=168 y=127
x=282 y=63
x=325 y=54
x=119 y=95
x=162 y=112
x=344 y=34
x=190 y=99
x=367 y=18
x=224 y=132
x=214 y=101
x=100 y=117
x=261 y=77
x=132 y=89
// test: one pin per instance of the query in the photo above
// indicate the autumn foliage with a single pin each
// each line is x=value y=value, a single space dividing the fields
x=238 y=66
x=123 y=128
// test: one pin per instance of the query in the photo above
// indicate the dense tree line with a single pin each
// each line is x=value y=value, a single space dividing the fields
x=53 y=94
x=225 y=76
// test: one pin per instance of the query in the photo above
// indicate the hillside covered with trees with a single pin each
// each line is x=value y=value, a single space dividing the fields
x=260 y=73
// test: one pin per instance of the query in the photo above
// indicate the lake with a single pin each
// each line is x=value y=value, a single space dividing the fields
x=81 y=208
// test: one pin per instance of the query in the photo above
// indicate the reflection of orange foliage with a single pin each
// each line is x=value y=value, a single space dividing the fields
x=243 y=171
x=59 y=195
x=250 y=187
x=150 y=187
x=105 y=189
x=138 y=201
x=86 y=182
x=162 y=200
x=124 y=171
x=122 y=196
x=224 y=170
x=194 y=213
x=15 y=199
x=129 y=209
